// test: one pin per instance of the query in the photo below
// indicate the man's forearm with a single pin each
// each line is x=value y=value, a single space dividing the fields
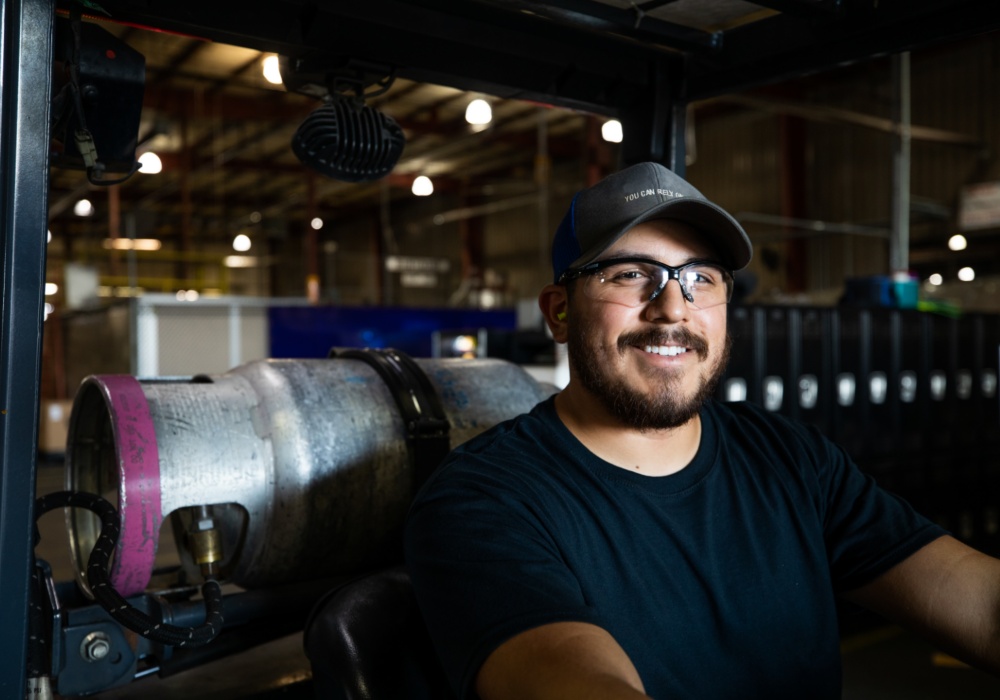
x=571 y=661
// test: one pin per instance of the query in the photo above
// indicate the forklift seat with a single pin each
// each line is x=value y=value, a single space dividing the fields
x=367 y=641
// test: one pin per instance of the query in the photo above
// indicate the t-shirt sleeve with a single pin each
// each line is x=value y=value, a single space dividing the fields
x=868 y=530
x=483 y=569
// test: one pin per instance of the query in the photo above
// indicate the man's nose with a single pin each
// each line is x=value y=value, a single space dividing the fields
x=669 y=306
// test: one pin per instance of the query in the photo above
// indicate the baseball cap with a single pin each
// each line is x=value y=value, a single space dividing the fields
x=600 y=215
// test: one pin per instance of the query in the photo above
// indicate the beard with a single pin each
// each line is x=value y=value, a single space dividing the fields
x=664 y=406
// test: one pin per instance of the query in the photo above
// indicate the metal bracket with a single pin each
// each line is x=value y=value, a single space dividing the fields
x=427 y=426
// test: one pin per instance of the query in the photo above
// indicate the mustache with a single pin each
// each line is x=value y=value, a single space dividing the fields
x=678 y=336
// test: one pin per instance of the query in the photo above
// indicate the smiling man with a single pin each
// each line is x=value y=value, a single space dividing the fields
x=631 y=537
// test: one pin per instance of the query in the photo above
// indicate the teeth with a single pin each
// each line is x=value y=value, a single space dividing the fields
x=669 y=350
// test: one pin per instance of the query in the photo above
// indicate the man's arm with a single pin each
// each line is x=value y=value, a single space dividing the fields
x=572 y=660
x=947 y=591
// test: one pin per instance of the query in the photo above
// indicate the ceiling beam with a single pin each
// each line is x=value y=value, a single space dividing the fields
x=631 y=22
x=803 y=8
x=466 y=45
x=783 y=47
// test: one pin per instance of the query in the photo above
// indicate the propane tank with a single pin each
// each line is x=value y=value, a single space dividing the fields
x=275 y=471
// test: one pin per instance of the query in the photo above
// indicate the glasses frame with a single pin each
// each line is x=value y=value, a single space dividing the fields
x=673 y=273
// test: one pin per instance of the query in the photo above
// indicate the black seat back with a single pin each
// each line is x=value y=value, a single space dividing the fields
x=367 y=641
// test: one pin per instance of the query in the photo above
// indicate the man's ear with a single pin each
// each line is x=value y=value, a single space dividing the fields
x=554 y=303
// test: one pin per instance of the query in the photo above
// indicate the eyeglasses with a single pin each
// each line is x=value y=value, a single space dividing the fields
x=637 y=281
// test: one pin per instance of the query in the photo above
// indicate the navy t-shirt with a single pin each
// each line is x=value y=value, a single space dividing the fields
x=718 y=581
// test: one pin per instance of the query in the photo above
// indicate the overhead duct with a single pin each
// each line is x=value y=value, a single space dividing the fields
x=275 y=471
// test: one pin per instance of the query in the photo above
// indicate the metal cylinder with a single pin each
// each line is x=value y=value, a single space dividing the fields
x=302 y=465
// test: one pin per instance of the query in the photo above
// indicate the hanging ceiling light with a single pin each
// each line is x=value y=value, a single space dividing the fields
x=349 y=141
x=241 y=243
x=935 y=279
x=966 y=274
x=150 y=163
x=422 y=186
x=344 y=139
x=957 y=242
x=272 y=70
x=316 y=224
x=611 y=131
x=479 y=113
x=83 y=208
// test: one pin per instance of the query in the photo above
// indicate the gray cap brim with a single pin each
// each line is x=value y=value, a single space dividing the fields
x=725 y=235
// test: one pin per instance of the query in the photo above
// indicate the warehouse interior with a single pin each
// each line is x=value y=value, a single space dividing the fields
x=855 y=141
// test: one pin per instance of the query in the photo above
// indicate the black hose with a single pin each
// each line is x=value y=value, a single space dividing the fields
x=105 y=594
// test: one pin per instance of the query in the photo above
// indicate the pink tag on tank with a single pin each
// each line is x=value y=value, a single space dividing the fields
x=139 y=484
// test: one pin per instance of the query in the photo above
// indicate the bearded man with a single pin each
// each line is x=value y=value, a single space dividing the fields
x=631 y=537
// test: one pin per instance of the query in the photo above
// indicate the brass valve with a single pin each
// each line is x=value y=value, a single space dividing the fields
x=205 y=542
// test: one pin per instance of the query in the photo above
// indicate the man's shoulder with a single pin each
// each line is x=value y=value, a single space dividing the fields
x=500 y=464
x=506 y=442
x=519 y=428
x=748 y=412
x=757 y=425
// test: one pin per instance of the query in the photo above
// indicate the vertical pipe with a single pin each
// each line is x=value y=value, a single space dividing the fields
x=792 y=135
x=594 y=163
x=114 y=227
x=131 y=262
x=26 y=30
x=311 y=241
x=899 y=243
x=235 y=334
x=543 y=175
x=676 y=128
x=187 y=206
x=385 y=244
x=653 y=125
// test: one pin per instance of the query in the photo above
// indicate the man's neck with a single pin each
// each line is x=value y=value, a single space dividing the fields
x=649 y=452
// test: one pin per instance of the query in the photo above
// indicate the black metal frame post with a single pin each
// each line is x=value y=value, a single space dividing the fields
x=654 y=125
x=25 y=73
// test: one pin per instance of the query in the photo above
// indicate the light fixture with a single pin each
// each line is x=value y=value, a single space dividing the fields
x=611 y=131
x=49 y=308
x=150 y=163
x=187 y=295
x=966 y=274
x=957 y=242
x=349 y=141
x=316 y=224
x=240 y=261
x=241 y=243
x=272 y=70
x=51 y=288
x=132 y=244
x=479 y=113
x=83 y=208
x=936 y=279
x=48 y=236
x=422 y=186
x=344 y=139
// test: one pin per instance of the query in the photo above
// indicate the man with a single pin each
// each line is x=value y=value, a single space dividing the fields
x=633 y=538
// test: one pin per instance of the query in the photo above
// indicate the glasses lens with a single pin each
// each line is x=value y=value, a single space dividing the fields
x=708 y=285
x=633 y=283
